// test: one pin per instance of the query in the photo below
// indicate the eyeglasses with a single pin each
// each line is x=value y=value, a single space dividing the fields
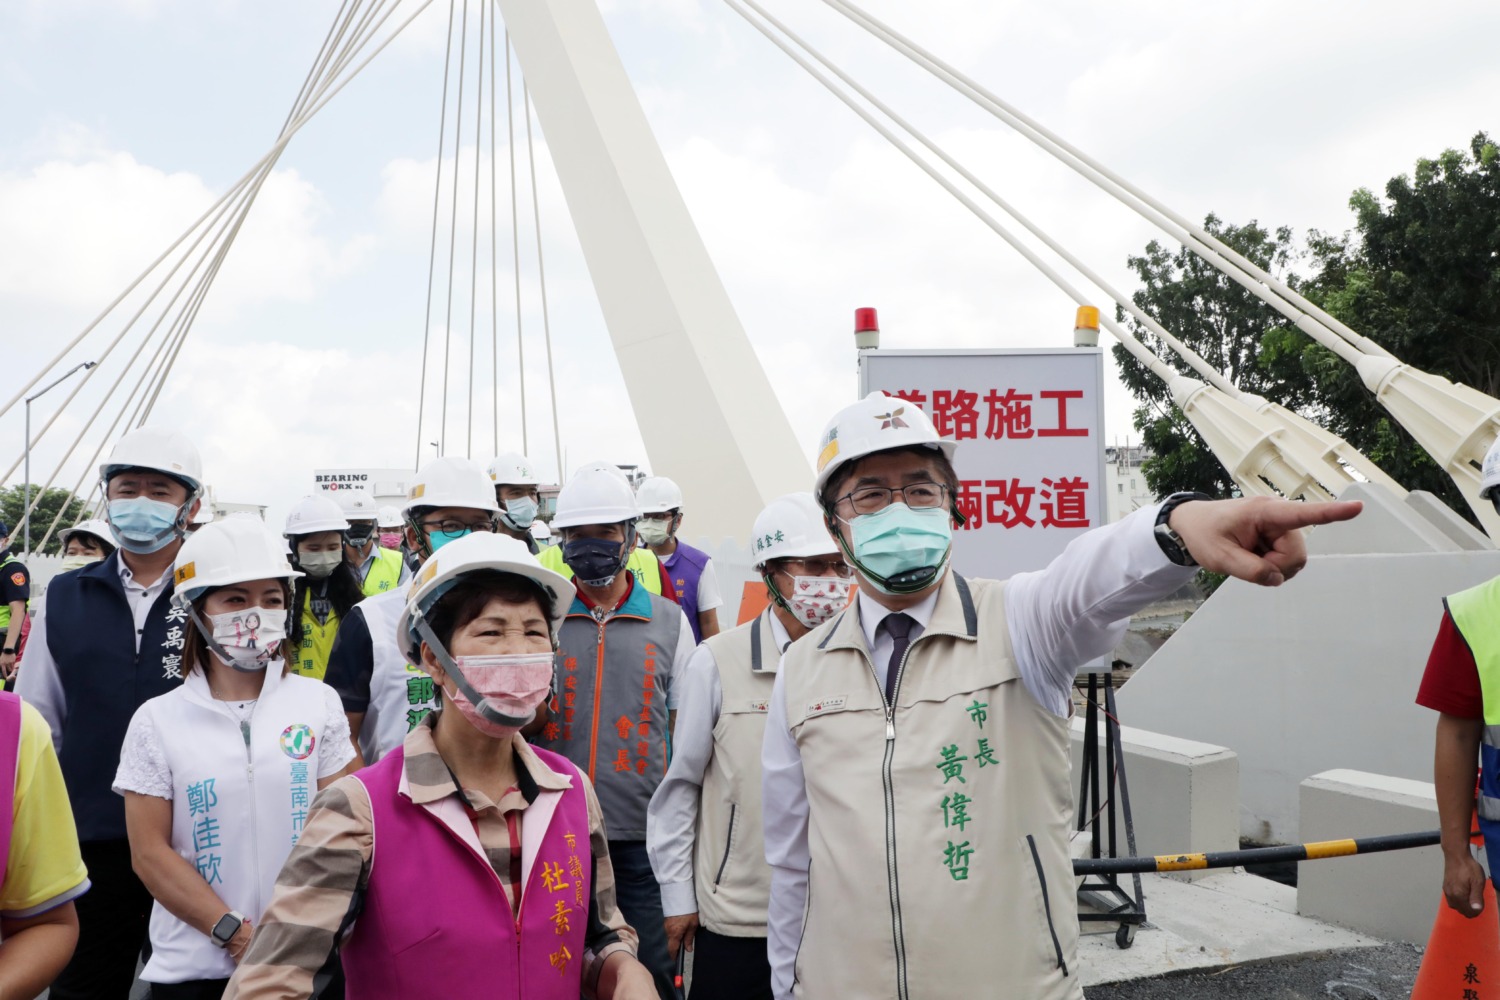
x=815 y=567
x=454 y=527
x=871 y=499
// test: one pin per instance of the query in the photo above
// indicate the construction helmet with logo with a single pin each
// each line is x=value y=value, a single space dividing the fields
x=355 y=504
x=874 y=424
x=313 y=514
x=451 y=482
x=658 y=495
x=159 y=450
x=791 y=527
x=1491 y=475
x=513 y=469
x=595 y=496
x=234 y=550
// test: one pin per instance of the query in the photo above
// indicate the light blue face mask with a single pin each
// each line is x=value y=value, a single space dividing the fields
x=438 y=539
x=520 y=513
x=901 y=550
x=142 y=525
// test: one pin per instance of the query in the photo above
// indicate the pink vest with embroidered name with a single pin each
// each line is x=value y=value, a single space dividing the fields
x=437 y=922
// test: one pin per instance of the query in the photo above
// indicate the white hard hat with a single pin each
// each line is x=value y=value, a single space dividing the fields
x=97 y=528
x=791 y=527
x=158 y=449
x=313 y=514
x=1491 y=472
x=513 y=469
x=469 y=554
x=451 y=482
x=874 y=424
x=234 y=550
x=595 y=496
x=658 y=495
x=601 y=466
x=205 y=513
x=389 y=517
x=540 y=531
x=355 y=504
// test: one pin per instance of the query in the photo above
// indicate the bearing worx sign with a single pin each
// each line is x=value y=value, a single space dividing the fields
x=387 y=486
x=1030 y=461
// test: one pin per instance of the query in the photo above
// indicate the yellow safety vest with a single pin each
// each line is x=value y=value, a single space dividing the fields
x=385 y=572
x=643 y=563
x=317 y=641
x=1476 y=615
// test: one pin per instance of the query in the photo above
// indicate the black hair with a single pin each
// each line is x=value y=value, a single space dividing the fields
x=468 y=598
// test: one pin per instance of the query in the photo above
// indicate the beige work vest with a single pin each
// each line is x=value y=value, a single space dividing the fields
x=730 y=874
x=938 y=832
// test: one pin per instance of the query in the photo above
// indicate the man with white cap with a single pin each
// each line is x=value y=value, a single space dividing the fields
x=107 y=641
x=384 y=694
x=378 y=569
x=916 y=751
x=703 y=828
x=691 y=569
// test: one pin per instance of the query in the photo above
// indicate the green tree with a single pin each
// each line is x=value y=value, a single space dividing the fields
x=12 y=503
x=1419 y=274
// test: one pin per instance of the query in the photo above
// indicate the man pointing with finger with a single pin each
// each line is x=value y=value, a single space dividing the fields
x=916 y=784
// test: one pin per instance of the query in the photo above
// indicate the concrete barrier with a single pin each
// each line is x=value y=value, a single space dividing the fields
x=1184 y=795
x=1392 y=896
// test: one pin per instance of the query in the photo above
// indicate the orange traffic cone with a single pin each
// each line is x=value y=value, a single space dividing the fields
x=1463 y=953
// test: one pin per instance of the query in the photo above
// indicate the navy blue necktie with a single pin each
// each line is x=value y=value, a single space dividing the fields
x=898 y=627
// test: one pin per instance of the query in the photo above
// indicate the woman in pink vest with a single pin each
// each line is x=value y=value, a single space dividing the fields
x=467 y=863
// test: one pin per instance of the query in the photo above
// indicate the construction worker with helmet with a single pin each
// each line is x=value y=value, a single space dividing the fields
x=327 y=590
x=218 y=774
x=85 y=542
x=703 y=827
x=465 y=863
x=690 y=569
x=378 y=569
x=517 y=493
x=107 y=641
x=917 y=745
x=389 y=523
x=622 y=650
x=385 y=693
x=1462 y=684
x=648 y=569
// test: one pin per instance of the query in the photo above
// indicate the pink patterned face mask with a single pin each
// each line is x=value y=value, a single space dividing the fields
x=816 y=599
x=390 y=540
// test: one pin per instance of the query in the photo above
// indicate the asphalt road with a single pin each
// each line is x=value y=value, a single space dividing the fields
x=1383 y=973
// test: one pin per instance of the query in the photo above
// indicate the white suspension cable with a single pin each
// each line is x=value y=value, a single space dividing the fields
x=474 y=242
x=494 y=256
x=515 y=245
x=541 y=273
x=458 y=130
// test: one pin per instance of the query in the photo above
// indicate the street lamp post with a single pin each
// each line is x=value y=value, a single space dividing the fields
x=26 y=504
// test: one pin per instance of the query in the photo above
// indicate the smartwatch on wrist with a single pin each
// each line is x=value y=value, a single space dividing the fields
x=8 y=650
x=1170 y=541
x=228 y=926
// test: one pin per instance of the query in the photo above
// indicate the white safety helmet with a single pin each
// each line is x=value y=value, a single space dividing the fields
x=451 y=482
x=205 y=514
x=93 y=527
x=158 y=449
x=470 y=554
x=601 y=466
x=658 y=495
x=595 y=496
x=389 y=517
x=513 y=469
x=355 y=504
x=1491 y=472
x=234 y=550
x=791 y=527
x=313 y=514
x=874 y=424
x=541 y=532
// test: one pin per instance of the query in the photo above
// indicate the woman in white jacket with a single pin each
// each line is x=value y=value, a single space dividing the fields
x=218 y=775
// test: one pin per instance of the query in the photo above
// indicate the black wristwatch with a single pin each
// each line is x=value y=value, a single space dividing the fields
x=1170 y=541
x=228 y=926
x=8 y=650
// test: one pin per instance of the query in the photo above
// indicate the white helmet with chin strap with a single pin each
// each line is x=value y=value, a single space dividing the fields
x=514 y=469
x=597 y=496
x=234 y=550
x=145 y=527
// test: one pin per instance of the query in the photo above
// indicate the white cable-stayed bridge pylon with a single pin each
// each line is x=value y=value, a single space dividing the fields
x=1266 y=448
x=1452 y=422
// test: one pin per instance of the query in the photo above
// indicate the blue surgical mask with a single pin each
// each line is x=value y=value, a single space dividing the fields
x=437 y=539
x=142 y=525
x=520 y=513
x=902 y=550
x=594 y=561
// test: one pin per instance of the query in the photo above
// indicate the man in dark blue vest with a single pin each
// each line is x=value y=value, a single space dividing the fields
x=106 y=641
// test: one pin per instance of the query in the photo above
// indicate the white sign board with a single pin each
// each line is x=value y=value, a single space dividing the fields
x=1030 y=431
x=387 y=486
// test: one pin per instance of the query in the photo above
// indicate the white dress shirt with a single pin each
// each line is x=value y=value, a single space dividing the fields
x=1060 y=618
x=38 y=681
x=672 y=816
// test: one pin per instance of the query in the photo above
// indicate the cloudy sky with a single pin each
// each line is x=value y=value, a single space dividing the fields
x=122 y=120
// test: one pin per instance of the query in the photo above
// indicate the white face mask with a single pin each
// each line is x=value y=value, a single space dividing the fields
x=816 y=599
x=654 y=532
x=248 y=640
x=78 y=562
x=319 y=565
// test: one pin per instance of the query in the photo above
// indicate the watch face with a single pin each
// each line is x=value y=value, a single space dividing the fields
x=226 y=928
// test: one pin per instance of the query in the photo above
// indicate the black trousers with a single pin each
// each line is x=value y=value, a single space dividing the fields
x=729 y=968
x=112 y=920
x=198 y=989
